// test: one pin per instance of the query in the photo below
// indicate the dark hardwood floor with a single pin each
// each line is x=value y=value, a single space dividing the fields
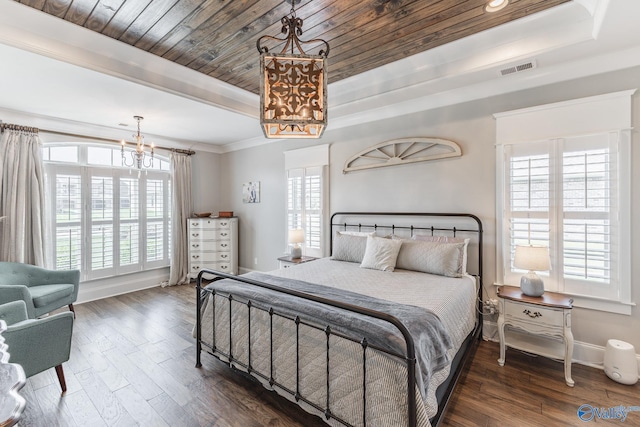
x=132 y=363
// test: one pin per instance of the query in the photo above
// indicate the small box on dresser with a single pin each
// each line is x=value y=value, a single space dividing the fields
x=213 y=244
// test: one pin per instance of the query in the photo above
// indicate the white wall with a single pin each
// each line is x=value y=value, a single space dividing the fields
x=205 y=169
x=459 y=184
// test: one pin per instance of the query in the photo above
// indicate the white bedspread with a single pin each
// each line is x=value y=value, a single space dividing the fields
x=452 y=299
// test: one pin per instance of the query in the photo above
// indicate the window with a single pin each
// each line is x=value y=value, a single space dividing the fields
x=563 y=194
x=306 y=196
x=107 y=220
x=570 y=194
x=304 y=206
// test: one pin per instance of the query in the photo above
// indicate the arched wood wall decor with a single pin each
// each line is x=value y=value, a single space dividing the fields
x=402 y=151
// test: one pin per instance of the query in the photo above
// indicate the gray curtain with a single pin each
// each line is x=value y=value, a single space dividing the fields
x=21 y=196
x=180 y=212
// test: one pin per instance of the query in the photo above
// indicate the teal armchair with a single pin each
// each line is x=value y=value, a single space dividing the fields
x=41 y=290
x=37 y=344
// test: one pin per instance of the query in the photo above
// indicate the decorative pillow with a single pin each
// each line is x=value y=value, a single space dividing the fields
x=448 y=239
x=349 y=247
x=381 y=253
x=444 y=259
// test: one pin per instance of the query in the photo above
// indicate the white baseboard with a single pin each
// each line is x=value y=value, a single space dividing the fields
x=112 y=286
x=583 y=353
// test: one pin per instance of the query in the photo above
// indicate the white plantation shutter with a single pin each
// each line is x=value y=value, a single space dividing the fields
x=562 y=194
x=306 y=195
x=101 y=235
x=129 y=221
x=68 y=214
x=108 y=220
x=570 y=193
x=304 y=207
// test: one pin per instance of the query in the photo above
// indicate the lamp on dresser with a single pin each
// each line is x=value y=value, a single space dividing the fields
x=532 y=258
x=296 y=236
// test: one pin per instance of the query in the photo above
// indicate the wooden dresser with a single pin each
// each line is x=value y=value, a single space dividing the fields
x=213 y=244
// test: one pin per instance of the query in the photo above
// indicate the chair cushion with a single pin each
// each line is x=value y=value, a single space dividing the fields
x=46 y=294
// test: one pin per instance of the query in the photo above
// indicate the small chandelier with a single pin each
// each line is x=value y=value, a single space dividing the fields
x=293 y=86
x=138 y=156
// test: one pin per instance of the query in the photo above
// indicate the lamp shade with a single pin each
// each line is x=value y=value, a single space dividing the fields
x=532 y=258
x=296 y=236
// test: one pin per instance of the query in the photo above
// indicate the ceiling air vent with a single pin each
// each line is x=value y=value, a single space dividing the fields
x=516 y=68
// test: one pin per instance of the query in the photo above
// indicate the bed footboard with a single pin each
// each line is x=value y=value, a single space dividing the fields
x=409 y=358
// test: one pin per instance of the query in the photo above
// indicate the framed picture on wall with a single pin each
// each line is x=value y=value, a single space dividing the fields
x=251 y=192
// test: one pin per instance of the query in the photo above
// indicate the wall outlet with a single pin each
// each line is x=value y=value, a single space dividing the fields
x=255 y=261
x=490 y=306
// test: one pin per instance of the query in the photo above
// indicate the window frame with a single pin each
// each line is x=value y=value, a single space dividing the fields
x=555 y=124
x=115 y=173
x=301 y=208
x=314 y=159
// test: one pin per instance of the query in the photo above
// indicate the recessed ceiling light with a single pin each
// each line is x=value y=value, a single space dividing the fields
x=123 y=124
x=495 y=5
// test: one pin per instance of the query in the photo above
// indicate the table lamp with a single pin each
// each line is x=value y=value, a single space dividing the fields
x=532 y=258
x=296 y=237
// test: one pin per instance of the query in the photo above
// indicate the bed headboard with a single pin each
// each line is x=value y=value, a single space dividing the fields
x=408 y=224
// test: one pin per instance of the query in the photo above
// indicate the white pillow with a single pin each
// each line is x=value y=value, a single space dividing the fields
x=381 y=253
x=349 y=247
x=444 y=259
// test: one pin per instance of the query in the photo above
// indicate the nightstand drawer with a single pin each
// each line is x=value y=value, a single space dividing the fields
x=534 y=314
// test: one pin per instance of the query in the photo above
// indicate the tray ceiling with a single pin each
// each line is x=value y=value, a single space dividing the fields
x=218 y=38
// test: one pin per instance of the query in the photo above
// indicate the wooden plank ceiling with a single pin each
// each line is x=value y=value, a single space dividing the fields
x=218 y=37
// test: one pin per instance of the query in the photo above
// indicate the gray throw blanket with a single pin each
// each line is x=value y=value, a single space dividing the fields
x=430 y=338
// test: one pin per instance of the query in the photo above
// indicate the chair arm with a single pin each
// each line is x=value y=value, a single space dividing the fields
x=13 y=312
x=50 y=277
x=10 y=293
x=40 y=344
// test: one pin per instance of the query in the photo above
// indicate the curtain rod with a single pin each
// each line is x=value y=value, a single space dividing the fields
x=175 y=150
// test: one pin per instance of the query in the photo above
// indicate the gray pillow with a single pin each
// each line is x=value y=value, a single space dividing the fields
x=348 y=247
x=444 y=259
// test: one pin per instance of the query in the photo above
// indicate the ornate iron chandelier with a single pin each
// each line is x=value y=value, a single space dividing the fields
x=139 y=157
x=293 y=86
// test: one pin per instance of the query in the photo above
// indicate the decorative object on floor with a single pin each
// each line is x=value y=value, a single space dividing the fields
x=12 y=379
x=293 y=86
x=402 y=151
x=37 y=344
x=139 y=157
x=41 y=290
x=620 y=362
x=296 y=237
x=251 y=192
x=532 y=258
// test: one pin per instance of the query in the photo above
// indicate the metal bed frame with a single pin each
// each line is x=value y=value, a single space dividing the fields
x=444 y=391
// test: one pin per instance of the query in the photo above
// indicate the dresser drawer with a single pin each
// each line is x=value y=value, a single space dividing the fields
x=209 y=223
x=534 y=314
x=209 y=235
x=209 y=256
x=196 y=266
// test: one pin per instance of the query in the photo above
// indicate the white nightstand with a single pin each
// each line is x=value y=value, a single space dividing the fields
x=548 y=315
x=287 y=261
